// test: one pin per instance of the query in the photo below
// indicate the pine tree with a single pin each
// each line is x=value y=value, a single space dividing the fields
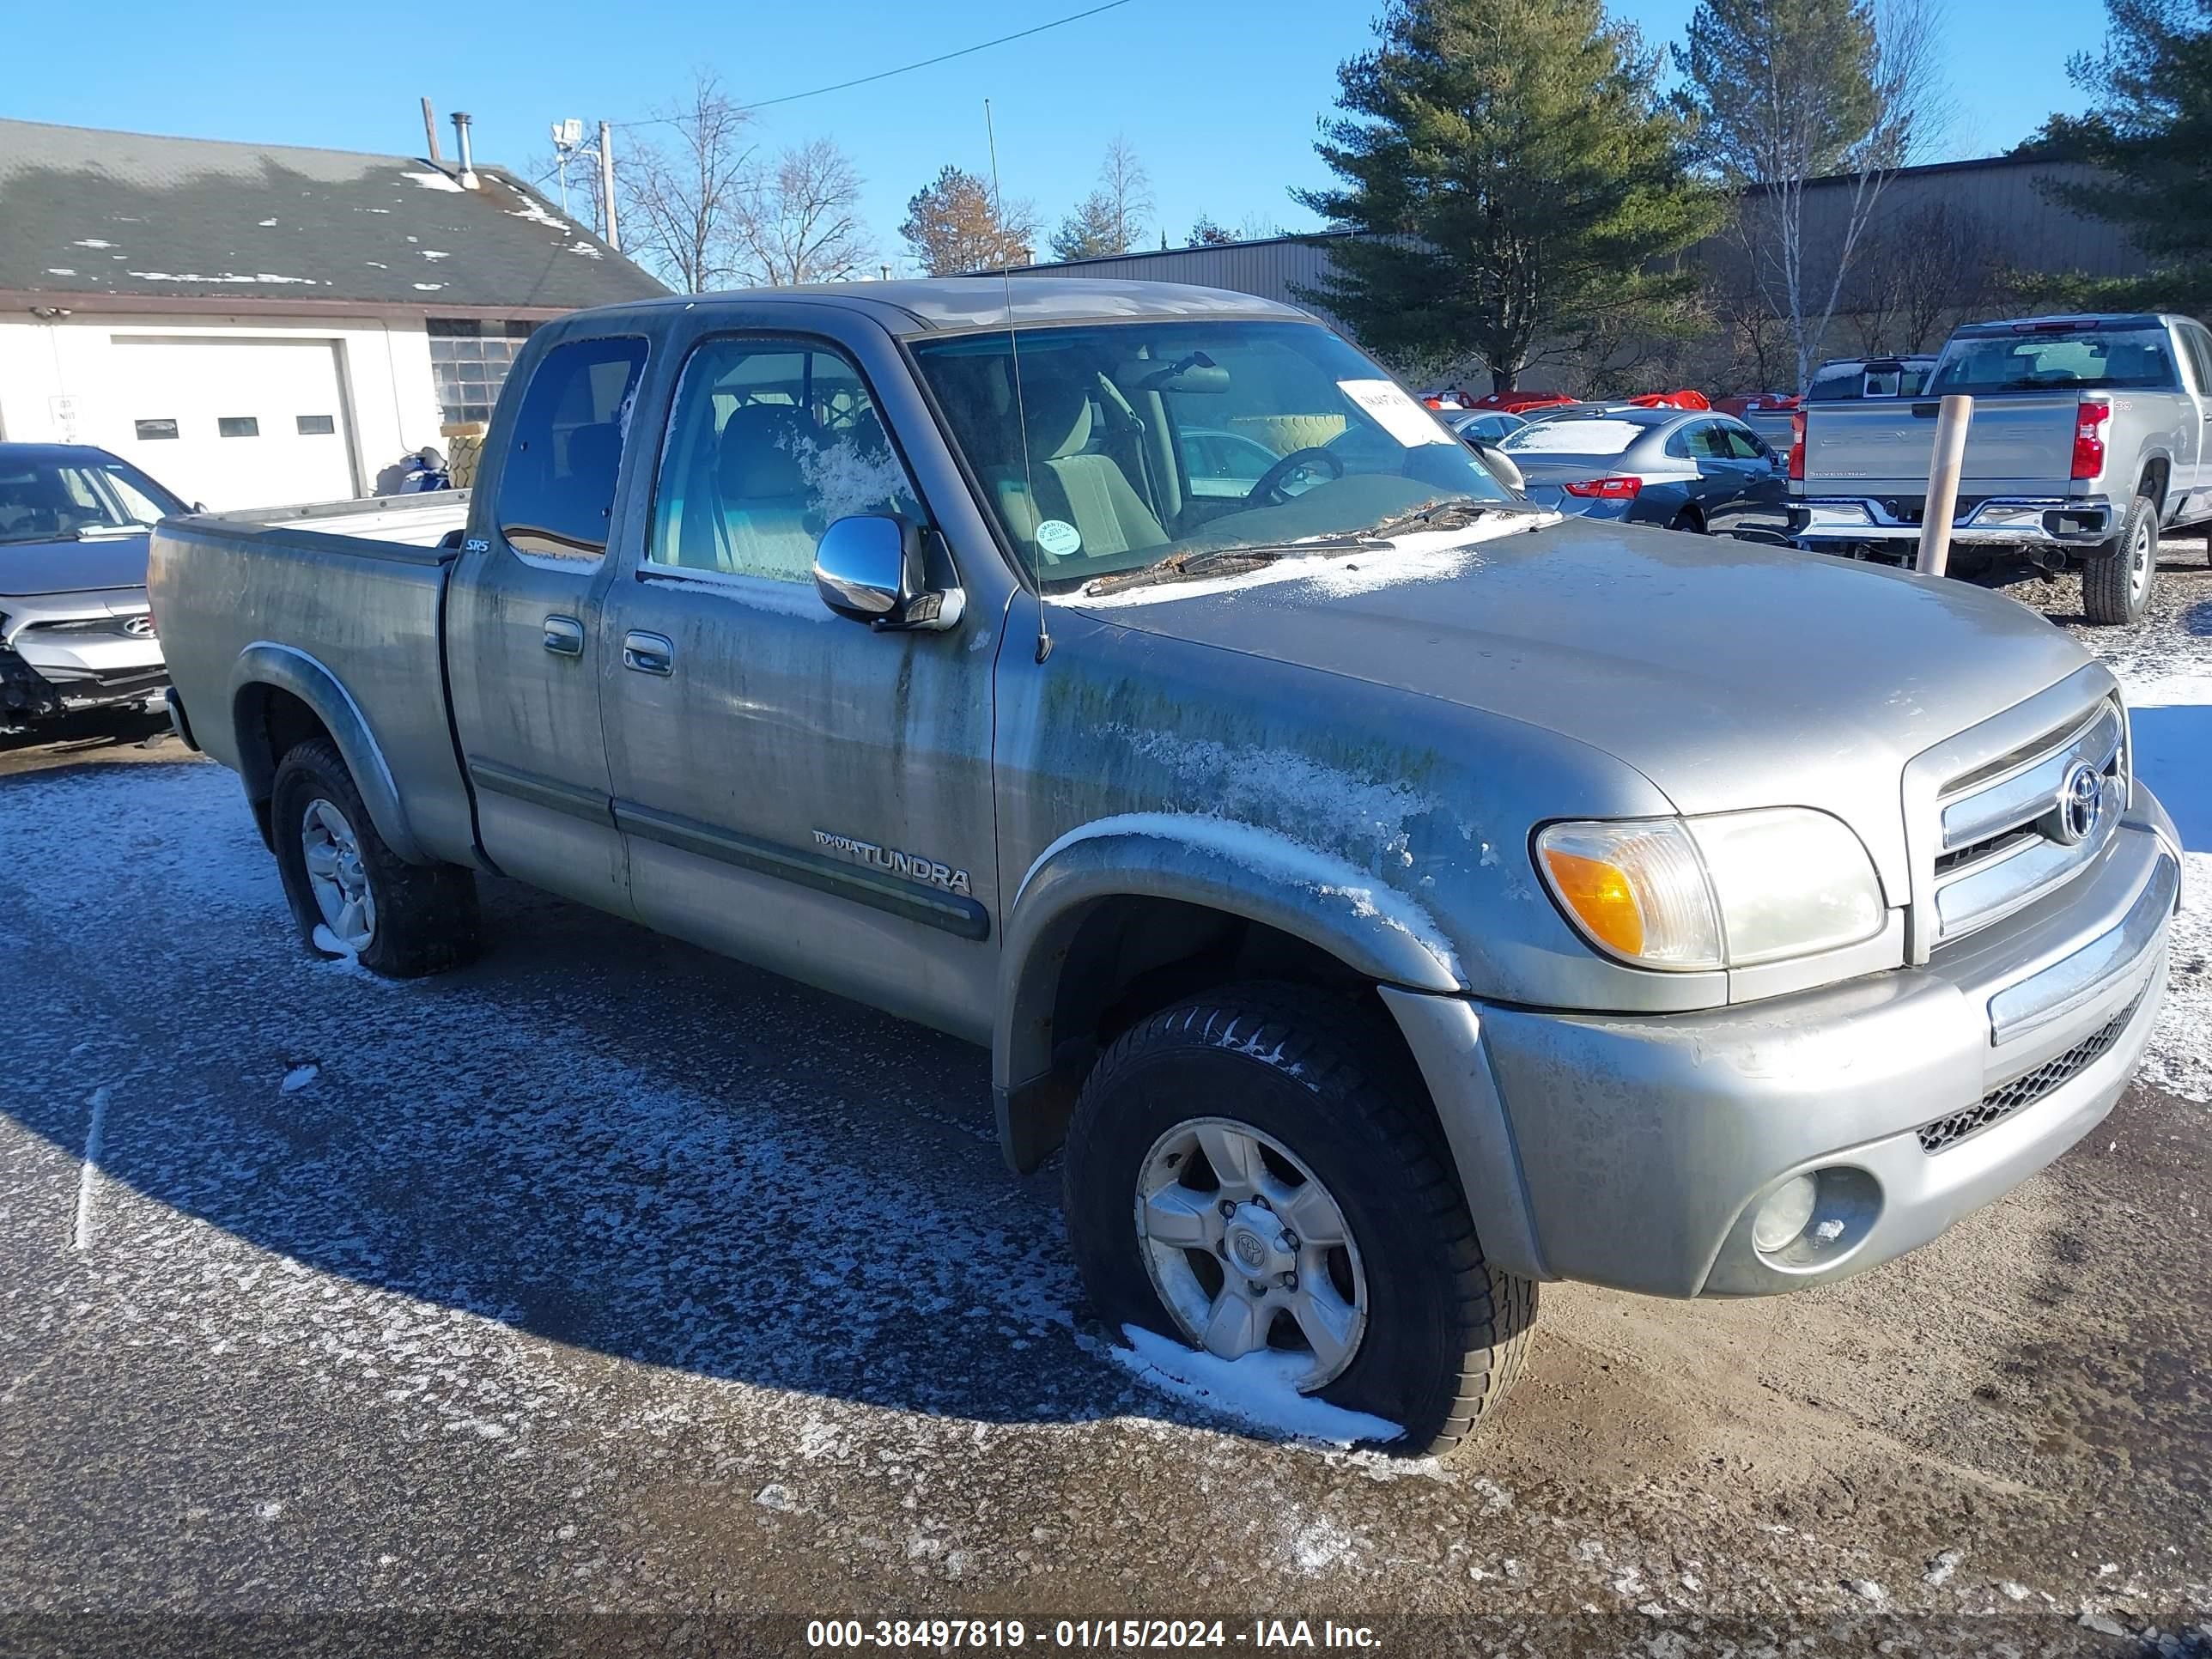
x=1520 y=184
x=956 y=223
x=1089 y=231
x=2151 y=132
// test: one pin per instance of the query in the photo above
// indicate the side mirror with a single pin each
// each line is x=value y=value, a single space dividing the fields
x=1502 y=466
x=869 y=568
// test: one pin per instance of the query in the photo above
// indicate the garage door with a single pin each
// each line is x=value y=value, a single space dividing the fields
x=232 y=422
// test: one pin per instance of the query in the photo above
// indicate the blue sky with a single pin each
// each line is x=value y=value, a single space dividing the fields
x=1219 y=98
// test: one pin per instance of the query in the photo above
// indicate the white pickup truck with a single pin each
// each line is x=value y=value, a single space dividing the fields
x=2088 y=439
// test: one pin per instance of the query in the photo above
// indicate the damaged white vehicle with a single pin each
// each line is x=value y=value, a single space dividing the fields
x=75 y=631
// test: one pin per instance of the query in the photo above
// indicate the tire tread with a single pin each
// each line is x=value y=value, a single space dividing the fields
x=1317 y=1038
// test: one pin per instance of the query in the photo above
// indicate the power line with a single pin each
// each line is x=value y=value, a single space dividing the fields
x=903 y=68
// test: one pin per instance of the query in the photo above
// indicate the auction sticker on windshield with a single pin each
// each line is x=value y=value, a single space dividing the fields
x=1395 y=411
x=1059 y=538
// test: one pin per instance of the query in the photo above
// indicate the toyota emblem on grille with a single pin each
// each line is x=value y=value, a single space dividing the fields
x=141 y=628
x=2079 y=798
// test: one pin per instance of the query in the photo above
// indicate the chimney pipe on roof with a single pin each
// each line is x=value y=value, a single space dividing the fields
x=430 y=132
x=468 y=174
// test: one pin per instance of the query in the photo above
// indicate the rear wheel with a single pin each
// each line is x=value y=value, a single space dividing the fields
x=351 y=895
x=1246 y=1173
x=2116 y=584
x=1687 y=521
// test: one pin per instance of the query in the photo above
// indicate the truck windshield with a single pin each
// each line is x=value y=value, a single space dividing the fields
x=2067 y=358
x=45 y=499
x=1119 y=445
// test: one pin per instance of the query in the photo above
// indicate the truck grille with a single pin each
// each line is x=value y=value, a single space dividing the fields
x=2028 y=822
x=2003 y=1102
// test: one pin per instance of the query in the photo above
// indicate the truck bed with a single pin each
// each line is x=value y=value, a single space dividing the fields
x=346 y=594
x=2018 y=442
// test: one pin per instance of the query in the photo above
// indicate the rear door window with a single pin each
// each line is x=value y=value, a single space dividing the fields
x=2200 y=356
x=557 y=486
x=770 y=443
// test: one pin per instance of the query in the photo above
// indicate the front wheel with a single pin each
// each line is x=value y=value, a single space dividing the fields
x=1246 y=1172
x=351 y=895
x=2116 y=583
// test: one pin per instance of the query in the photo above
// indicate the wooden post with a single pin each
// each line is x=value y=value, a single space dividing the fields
x=1952 y=419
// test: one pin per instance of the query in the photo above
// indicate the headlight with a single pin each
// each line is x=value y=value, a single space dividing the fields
x=1727 y=890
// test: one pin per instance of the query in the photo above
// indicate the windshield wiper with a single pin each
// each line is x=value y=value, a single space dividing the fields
x=1225 y=561
x=83 y=532
x=1453 y=514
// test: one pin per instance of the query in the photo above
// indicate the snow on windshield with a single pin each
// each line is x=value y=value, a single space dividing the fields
x=1576 y=437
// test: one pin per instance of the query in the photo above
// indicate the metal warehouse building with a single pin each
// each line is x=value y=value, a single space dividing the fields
x=2001 y=203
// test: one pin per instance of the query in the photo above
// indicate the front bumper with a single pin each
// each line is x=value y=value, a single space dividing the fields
x=1635 y=1152
x=2056 y=522
x=69 y=657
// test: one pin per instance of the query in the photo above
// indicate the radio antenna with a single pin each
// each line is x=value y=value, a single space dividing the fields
x=1014 y=367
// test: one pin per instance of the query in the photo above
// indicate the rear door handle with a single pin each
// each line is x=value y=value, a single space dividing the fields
x=648 y=654
x=564 y=636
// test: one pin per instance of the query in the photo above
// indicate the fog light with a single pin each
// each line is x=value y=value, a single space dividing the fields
x=1785 y=1212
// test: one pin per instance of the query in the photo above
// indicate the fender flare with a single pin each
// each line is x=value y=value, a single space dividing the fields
x=287 y=668
x=1372 y=928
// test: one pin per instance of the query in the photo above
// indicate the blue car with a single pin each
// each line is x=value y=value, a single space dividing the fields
x=1689 y=470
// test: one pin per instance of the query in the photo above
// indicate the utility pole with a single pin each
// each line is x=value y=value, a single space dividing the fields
x=607 y=182
x=430 y=131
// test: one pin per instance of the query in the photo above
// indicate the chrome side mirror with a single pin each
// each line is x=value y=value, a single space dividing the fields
x=869 y=567
x=1501 y=467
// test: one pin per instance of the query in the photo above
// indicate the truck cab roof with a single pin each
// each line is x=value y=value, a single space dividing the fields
x=2073 y=323
x=952 y=304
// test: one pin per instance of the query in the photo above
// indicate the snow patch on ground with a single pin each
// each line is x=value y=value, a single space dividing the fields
x=1320 y=1546
x=2170 y=722
x=1258 y=1391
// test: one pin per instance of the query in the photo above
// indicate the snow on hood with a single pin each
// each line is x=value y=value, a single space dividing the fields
x=1716 y=668
x=66 y=567
x=1424 y=556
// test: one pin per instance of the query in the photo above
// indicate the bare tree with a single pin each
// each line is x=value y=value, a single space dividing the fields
x=1791 y=91
x=684 y=191
x=1921 y=269
x=1127 y=189
x=799 y=220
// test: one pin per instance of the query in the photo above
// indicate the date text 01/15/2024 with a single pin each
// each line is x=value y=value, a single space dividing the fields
x=1109 y=1635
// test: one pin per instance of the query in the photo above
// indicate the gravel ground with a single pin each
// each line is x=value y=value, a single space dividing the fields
x=614 y=1293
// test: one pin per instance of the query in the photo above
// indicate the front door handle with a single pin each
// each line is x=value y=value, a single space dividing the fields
x=648 y=654
x=564 y=636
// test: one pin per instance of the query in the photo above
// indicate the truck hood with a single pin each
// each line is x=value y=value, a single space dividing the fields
x=1728 y=674
x=71 y=567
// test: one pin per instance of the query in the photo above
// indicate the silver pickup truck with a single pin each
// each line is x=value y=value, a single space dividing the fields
x=2089 y=437
x=1389 y=895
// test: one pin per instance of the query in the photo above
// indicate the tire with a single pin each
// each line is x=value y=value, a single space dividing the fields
x=2116 y=584
x=1444 y=1332
x=1688 y=522
x=417 y=919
